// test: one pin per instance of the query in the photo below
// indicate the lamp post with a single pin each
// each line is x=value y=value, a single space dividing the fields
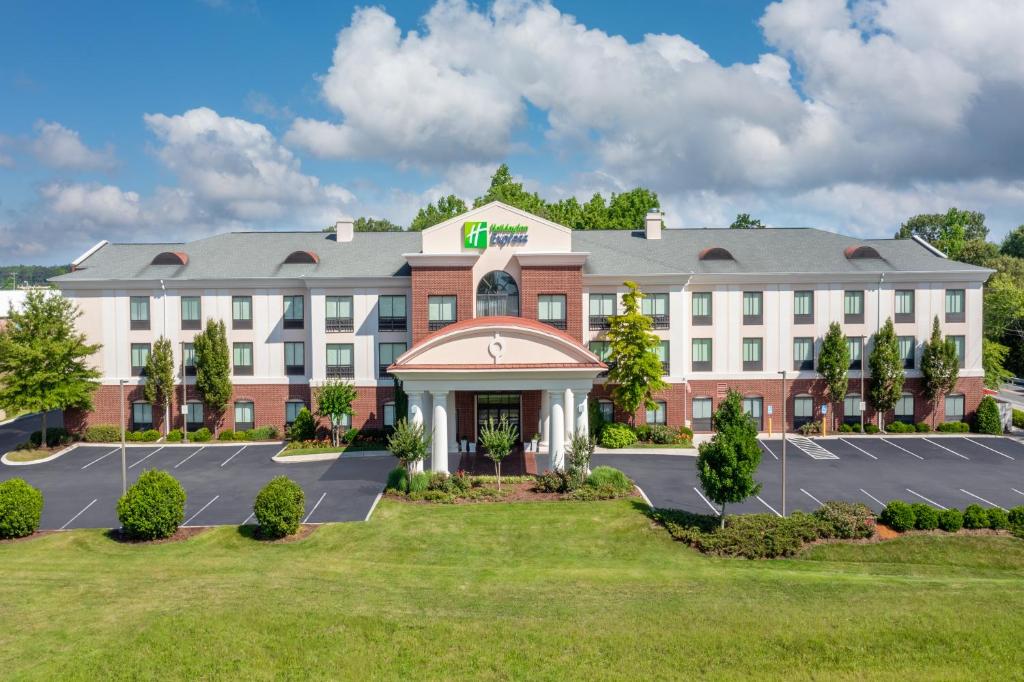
x=863 y=398
x=184 y=398
x=783 y=373
x=124 y=467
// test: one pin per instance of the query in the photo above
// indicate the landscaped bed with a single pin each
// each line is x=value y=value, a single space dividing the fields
x=604 y=483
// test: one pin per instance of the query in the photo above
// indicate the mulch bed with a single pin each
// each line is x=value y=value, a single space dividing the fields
x=304 y=531
x=180 y=535
x=37 y=534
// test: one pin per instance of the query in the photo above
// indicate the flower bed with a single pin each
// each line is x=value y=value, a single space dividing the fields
x=461 y=488
x=617 y=436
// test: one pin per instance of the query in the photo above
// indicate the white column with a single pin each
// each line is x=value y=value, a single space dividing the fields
x=416 y=417
x=582 y=414
x=439 y=461
x=453 y=428
x=556 y=441
x=545 y=418
x=570 y=419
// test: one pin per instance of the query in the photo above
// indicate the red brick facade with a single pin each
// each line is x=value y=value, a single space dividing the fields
x=559 y=279
x=440 y=281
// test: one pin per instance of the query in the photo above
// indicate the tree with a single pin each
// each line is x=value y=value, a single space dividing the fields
x=988 y=420
x=595 y=214
x=940 y=365
x=44 y=360
x=408 y=443
x=498 y=441
x=887 y=373
x=726 y=464
x=1013 y=243
x=505 y=189
x=745 y=222
x=834 y=365
x=628 y=210
x=159 y=386
x=1004 y=306
x=365 y=224
x=636 y=369
x=213 y=365
x=334 y=400
x=993 y=359
x=959 y=234
x=432 y=214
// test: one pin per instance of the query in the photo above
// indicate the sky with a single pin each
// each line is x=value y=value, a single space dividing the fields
x=172 y=121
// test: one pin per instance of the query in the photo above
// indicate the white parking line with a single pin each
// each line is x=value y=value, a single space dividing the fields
x=132 y=466
x=1016 y=491
x=248 y=518
x=77 y=515
x=233 y=456
x=201 y=510
x=707 y=501
x=306 y=520
x=978 y=497
x=992 y=449
x=380 y=495
x=811 y=496
x=931 y=502
x=100 y=457
x=900 y=447
x=813 y=449
x=872 y=496
x=768 y=505
x=843 y=440
x=946 y=449
x=189 y=457
x=767 y=448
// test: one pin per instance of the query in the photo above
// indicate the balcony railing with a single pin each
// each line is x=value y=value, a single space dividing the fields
x=242 y=370
x=140 y=324
x=701 y=365
x=659 y=321
x=191 y=324
x=600 y=322
x=701 y=320
x=294 y=323
x=557 y=324
x=802 y=365
x=753 y=365
x=391 y=324
x=338 y=324
x=294 y=370
x=242 y=324
x=434 y=325
x=341 y=372
x=382 y=371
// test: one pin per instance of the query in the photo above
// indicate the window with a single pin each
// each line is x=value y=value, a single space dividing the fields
x=803 y=307
x=752 y=355
x=803 y=353
x=551 y=309
x=701 y=359
x=655 y=306
x=194 y=417
x=389 y=415
x=602 y=306
x=294 y=358
x=905 y=409
x=241 y=356
x=440 y=311
x=291 y=411
x=294 y=312
x=139 y=306
x=960 y=343
x=954 y=305
x=702 y=414
x=752 y=303
x=607 y=410
x=908 y=346
x=803 y=410
x=387 y=354
x=140 y=355
x=754 y=406
x=603 y=350
x=955 y=407
x=904 y=305
x=656 y=415
x=701 y=302
x=191 y=312
x=662 y=351
x=244 y=416
x=854 y=346
x=338 y=314
x=339 y=361
x=241 y=312
x=497 y=294
x=189 y=359
x=391 y=313
x=851 y=409
x=853 y=307
x=142 y=416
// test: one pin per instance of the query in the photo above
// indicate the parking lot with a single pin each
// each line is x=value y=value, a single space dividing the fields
x=81 y=488
x=941 y=470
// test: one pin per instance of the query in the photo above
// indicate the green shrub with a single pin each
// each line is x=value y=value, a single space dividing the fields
x=349 y=436
x=643 y=432
x=926 y=517
x=432 y=496
x=279 y=507
x=262 y=433
x=174 y=436
x=898 y=515
x=845 y=428
x=953 y=427
x=608 y=476
x=810 y=428
x=419 y=482
x=663 y=435
x=398 y=480
x=201 y=435
x=686 y=432
x=1015 y=518
x=975 y=517
x=589 y=493
x=153 y=507
x=617 y=436
x=1018 y=418
x=54 y=436
x=899 y=427
x=951 y=520
x=997 y=519
x=21 y=506
x=871 y=427
x=755 y=536
x=922 y=427
x=150 y=436
x=226 y=434
x=102 y=433
x=846 y=520
x=304 y=427
x=552 y=482
x=987 y=418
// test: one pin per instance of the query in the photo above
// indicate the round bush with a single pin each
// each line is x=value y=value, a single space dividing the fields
x=226 y=434
x=898 y=515
x=153 y=507
x=845 y=519
x=398 y=480
x=899 y=427
x=953 y=427
x=926 y=517
x=975 y=517
x=609 y=477
x=102 y=433
x=617 y=436
x=987 y=418
x=1015 y=517
x=997 y=519
x=21 y=505
x=174 y=436
x=922 y=427
x=279 y=507
x=951 y=520
x=871 y=428
x=201 y=435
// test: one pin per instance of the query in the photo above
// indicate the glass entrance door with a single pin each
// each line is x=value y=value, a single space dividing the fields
x=495 y=406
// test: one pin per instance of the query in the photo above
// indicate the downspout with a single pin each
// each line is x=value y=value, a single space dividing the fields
x=878 y=329
x=686 y=378
x=167 y=399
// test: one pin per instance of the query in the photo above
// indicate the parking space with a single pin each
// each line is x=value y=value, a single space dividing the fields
x=81 y=488
x=942 y=470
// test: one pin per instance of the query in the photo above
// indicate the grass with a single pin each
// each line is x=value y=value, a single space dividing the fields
x=540 y=590
x=354 y=447
x=31 y=455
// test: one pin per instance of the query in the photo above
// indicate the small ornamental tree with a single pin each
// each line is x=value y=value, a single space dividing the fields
x=408 y=443
x=940 y=366
x=988 y=419
x=159 y=385
x=726 y=464
x=887 y=373
x=334 y=400
x=636 y=369
x=834 y=364
x=213 y=365
x=498 y=441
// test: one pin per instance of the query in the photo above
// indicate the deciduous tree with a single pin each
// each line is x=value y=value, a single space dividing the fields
x=887 y=373
x=940 y=365
x=434 y=213
x=834 y=365
x=636 y=369
x=334 y=400
x=213 y=365
x=745 y=222
x=159 y=386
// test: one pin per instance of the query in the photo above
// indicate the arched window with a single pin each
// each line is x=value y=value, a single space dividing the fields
x=497 y=294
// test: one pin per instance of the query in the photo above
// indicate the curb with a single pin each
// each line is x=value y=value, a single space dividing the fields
x=37 y=461
x=326 y=456
x=676 y=452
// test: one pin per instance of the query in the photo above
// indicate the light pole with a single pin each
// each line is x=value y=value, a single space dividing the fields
x=863 y=398
x=124 y=467
x=783 y=373
x=184 y=398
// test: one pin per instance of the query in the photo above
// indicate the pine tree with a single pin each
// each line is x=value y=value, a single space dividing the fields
x=887 y=373
x=213 y=365
x=834 y=364
x=636 y=369
x=940 y=366
x=159 y=385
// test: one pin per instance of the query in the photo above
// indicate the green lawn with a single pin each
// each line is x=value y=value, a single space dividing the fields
x=30 y=455
x=506 y=591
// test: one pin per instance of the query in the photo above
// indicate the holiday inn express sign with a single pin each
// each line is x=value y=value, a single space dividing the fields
x=479 y=235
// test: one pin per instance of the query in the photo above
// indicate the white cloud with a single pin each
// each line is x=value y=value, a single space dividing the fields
x=96 y=204
x=62 y=148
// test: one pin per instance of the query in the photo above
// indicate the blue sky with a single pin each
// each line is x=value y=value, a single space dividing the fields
x=147 y=121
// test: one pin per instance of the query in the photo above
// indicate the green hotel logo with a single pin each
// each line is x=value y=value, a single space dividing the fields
x=475 y=234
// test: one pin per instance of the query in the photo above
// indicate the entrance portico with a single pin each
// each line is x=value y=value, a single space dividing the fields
x=495 y=355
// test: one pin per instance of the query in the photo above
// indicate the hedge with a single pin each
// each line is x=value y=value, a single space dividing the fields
x=899 y=427
x=102 y=433
x=153 y=507
x=926 y=517
x=54 y=436
x=21 y=506
x=951 y=520
x=898 y=515
x=279 y=507
x=953 y=427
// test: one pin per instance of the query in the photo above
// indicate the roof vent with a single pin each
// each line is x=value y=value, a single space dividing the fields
x=715 y=253
x=170 y=258
x=302 y=257
x=859 y=252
